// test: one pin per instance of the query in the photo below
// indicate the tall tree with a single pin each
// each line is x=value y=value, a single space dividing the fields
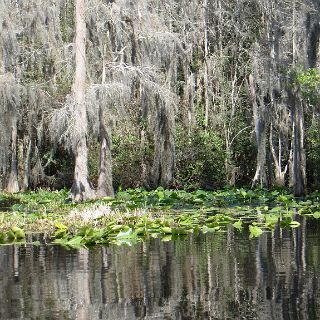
x=81 y=188
x=10 y=99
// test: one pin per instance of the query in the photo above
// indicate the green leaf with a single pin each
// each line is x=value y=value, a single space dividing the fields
x=44 y=201
x=243 y=193
x=107 y=199
x=283 y=198
x=86 y=232
x=198 y=200
x=211 y=219
x=60 y=226
x=160 y=195
x=316 y=214
x=271 y=220
x=126 y=234
x=117 y=227
x=179 y=231
x=18 y=233
x=10 y=235
x=61 y=241
x=125 y=241
x=141 y=231
x=276 y=209
x=255 y=231
x=167 y=238
x=294 y=224
x=74 y=242
x=206 y=229
x=238 y=225
x=166 y=230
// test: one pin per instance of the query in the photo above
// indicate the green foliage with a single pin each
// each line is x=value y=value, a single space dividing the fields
x=200 y=160
x=138 y=214
x=309 y=80
x=243 y=152
x=313 y=152
x=128 y=157
x=255 y=231
x=14 y=234
x=67 y=22
x=196 y=61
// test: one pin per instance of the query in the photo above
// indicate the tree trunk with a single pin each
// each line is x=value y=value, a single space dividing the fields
x=298 y=166
x=260 y=130
x=13 y=185
x=164 y=149
x=280 y=173
x=27 y=166
x=206 y=71
x=143 y=165
x=105 y=187
x=81 y=188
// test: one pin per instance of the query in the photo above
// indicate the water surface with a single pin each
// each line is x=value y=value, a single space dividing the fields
x=213 y=276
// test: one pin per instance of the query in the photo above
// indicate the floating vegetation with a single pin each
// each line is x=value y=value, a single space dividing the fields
x=136 y=215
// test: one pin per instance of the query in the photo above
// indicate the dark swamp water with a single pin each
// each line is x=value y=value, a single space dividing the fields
x=214 y=276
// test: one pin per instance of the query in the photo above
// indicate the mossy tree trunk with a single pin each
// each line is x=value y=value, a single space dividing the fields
x=105 y=187
x=298 y=162
x=260 y=130
x=13 y=185
x=81 y=188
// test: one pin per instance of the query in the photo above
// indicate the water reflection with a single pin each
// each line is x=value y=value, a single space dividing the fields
x=217 y=276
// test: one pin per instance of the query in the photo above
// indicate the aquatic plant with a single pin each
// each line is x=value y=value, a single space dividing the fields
x=137 y=214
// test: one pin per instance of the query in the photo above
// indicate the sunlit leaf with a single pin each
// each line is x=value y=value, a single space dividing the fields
x=255 y=231
x=126 y=234
x=74 y=242
x=18 y=233
x=207 y=229
x=60 y=226
x=166 y=230
x=166 y=238
x=294 y=224
x=238 y=225
x=316 y=214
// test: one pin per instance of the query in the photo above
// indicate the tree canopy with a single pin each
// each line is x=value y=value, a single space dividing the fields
x=97 y=95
